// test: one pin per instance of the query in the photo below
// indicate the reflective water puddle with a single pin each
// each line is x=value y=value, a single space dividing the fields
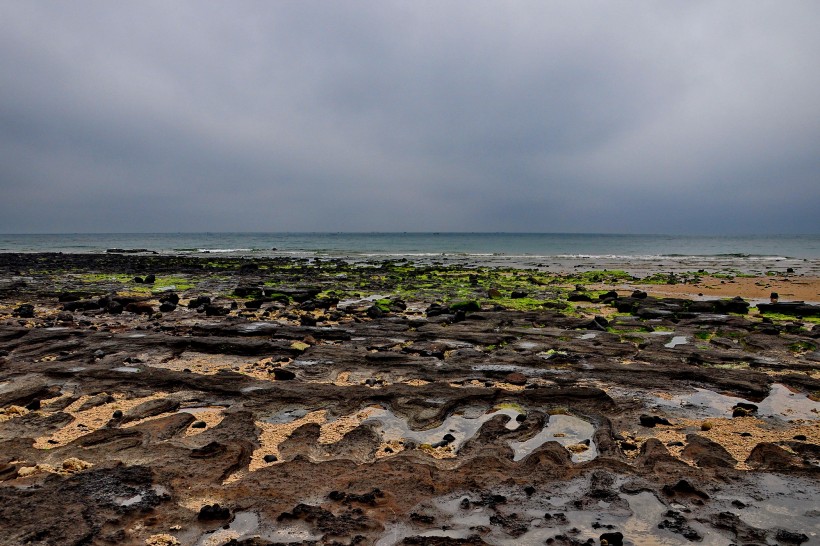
x=462 y=427
x=566 y=430
x=677 y=340
x=781 y=403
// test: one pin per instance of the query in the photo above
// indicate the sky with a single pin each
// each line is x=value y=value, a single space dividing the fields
x=690 y=117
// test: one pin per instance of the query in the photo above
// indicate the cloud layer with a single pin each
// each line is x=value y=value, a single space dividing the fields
x=576 y=116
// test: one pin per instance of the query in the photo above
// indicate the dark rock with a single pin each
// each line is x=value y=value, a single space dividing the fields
x=677 y=523
x=768 y=456
x=95 y=401
x=449 y=438
x=199 y=424
x=706 y=453
x=612 y=539
x=167 y=307
x=270 y=458
x=422 y=518
x=639 y=295
x=516 y=378
x=650 y=421
x=281 y=374
x=598 y=323
x=150 y=408
x=24 y=311
x=684 y=488
x=117 y=414
x=608 y=297
x=139 y=308
x=213 y=512
x=33 y=405
x=149 y=279
x=137 y=280
x=790 y=537
x=791 y=308
x=171 y=297
x=307 y=320
x=578 y=296
x=518 y=294
x=216 y=310
x=199 y=302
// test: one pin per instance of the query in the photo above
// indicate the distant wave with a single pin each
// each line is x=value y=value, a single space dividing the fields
x=225 y=250
x=751 y=257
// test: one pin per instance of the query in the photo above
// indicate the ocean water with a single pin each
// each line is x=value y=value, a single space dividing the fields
x=541 y=250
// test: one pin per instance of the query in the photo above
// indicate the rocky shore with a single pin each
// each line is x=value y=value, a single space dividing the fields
x=160 y=400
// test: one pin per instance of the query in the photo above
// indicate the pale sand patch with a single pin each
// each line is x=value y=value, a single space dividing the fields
x=194 y=503
x=11 y=412
x=757 y=288
x=211 y=417
x=499 y=384
x=330 y=432
x=417 y=382
x=163 y=539
x=343 y=380
x=726 y=432
x=272 y=435
x=90 y=420
x=70 y=466
x=202 y=363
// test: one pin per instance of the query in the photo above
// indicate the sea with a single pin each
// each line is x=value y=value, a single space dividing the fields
x=555 y=251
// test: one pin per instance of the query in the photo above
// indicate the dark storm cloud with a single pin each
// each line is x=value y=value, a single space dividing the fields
x=425 y=116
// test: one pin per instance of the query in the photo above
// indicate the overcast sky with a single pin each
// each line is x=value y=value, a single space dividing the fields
x=544 y=116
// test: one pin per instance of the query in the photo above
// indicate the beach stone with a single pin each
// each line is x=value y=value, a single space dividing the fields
x=150 y=408
x=199 y=301
x=281 y=374
x=578 y=296
x=518 y=294
x=216 y=310
x=212 y=512
x=150 y=279
x=639 y=295
x=24 y=311
x=167 y=307
x=516 y=378
x=199 y=424
x=172 y=297
x=706 y=453
x=270 y=458
x=95 y=401
x=790 y=537
x=494 y=293
x=608 y=296
x=139 y=308
x=612 y=539
x=768 y=456
x=650 y=421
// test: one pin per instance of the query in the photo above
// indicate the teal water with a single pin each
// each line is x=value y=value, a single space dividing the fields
x=428 y=244
x=638 y=254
